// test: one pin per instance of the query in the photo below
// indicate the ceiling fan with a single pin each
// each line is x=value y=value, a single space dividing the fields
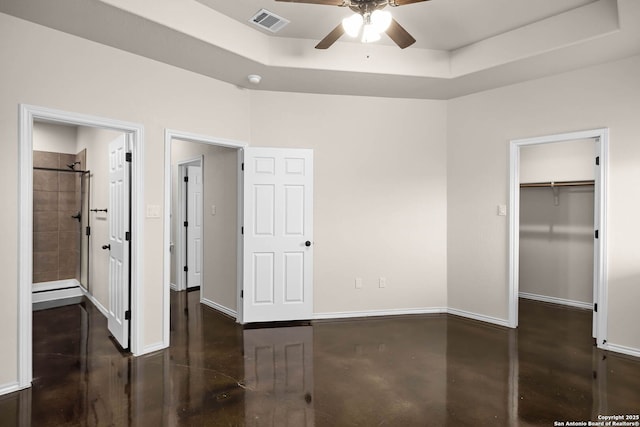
x=368 y=21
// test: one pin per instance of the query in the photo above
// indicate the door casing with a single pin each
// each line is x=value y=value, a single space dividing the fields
x=601 y=136
x=27 y=115
x=169 y=136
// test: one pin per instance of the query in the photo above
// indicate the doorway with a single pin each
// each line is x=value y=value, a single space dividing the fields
x=599 y=137
x=134 y=135
x=218 y=206
x=188 y=233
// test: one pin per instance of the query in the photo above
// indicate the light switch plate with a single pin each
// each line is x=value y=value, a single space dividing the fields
x=502 y=210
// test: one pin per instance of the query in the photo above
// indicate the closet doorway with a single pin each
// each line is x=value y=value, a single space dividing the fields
x=557 y=223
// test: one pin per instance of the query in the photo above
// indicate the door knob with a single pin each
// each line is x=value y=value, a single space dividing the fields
x=106 y=247
x=307 y=243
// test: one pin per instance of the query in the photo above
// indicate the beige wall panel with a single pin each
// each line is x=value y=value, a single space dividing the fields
x=380 y=194
x=480 y=127
x=47 y=68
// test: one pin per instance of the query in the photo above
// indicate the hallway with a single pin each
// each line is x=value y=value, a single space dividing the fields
x=397 y=371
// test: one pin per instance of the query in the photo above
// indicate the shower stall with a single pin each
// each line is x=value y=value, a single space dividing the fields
x=61 y=229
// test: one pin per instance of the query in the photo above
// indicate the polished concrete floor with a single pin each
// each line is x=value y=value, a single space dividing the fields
x=399 y=371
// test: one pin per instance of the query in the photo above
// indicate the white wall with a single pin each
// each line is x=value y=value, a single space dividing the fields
x=559 y=161
x=480 y=127
x=380 y=194
x=54 y=138
x=220 y=173
x=48 y=68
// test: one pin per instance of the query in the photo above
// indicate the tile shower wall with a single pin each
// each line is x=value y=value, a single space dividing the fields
x=56 y=235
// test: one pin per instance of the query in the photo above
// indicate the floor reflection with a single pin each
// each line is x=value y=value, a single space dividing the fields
x=278 y=367
x=400 y=371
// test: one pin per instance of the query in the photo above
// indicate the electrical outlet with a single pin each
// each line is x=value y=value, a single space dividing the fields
x=382 y=282
x=358 y=282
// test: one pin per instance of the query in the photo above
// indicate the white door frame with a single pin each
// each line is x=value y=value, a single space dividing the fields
x=181 y=238
x=27 y=115
x=600 y=264
x=169 y=135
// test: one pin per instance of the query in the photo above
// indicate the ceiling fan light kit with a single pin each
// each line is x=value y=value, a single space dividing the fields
x=370 y=25
x=352 y=25
x=368 y=21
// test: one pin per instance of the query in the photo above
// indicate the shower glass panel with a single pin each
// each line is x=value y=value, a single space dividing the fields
x=60 y=212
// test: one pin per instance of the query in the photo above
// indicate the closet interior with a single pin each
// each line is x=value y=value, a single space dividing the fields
x=557 y=223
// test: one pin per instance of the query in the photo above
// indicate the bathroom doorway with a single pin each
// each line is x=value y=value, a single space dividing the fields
x=29 y=116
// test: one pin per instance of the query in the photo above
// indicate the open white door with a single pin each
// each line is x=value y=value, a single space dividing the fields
x=118 y=217
x=596 y=241
x=194 y=230
x=278 y=234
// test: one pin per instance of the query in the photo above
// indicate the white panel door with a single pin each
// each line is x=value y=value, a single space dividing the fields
x=596 y=242
x=118 y=218
x=278 y=234
x=194 y=230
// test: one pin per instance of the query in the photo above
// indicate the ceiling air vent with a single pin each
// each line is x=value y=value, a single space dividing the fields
x=268 y=21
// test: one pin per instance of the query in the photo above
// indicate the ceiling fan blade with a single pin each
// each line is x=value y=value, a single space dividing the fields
x=399 y=35
x=403 y=2
x=327 y=2
x=331 y=38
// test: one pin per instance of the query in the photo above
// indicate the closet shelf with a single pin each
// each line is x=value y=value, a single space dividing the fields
x=553 y=184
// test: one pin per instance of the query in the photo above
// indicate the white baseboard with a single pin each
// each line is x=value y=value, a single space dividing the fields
x=630 y=351
x=554 y=300
x=9 y=388
x=221 y=308
x=378 y=313
x=480 y=317
x=151 y=348
x=95 y=302
x=54 y=285
x=173 y=286
x=56 y=290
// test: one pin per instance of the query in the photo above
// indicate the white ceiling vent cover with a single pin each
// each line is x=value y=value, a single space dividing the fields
x=268 y=21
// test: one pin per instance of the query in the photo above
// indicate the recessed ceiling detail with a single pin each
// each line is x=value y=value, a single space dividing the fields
x=268 y=21
x=472 y=46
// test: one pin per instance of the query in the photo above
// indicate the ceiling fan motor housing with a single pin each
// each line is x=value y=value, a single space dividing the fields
x=367 y=6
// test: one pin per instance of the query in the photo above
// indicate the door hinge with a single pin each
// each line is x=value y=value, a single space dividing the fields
x=186 y=269
x=127 y=157
x=595 y=307
x=243 y=166
x=186 y=223
x=596 y=234
x=186 y=179
x=598 y=161
x=242 y=294
x=127 y=315
x=241 y=230
x=87 y=231
x=127 y=236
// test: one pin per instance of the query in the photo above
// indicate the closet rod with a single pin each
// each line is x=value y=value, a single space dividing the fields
x=557 y=184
